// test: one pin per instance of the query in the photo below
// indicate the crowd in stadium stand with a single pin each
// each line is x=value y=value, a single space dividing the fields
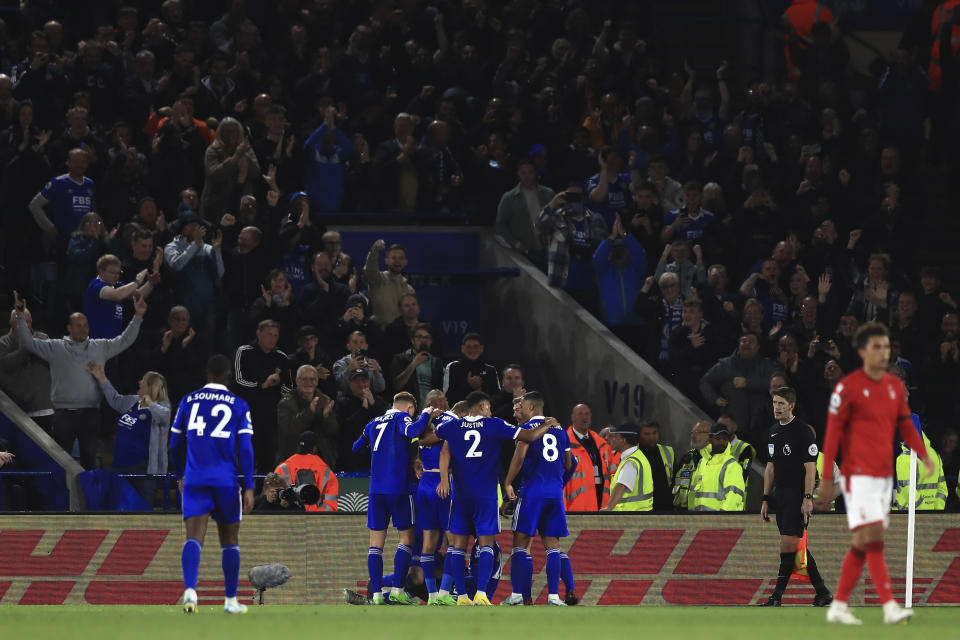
x=727 y=229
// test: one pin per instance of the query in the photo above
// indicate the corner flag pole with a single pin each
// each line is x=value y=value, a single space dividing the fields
x=911 y=517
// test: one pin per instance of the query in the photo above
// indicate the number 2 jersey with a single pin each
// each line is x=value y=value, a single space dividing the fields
x=474 y=443
x=211 y=439
x=545 y=462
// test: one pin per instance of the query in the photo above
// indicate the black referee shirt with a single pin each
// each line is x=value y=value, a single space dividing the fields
x=789 y=447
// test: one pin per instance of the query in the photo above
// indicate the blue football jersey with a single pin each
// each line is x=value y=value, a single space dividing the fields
x=430 y=454
x=389 y=439
x=475 y=453
x=544 y=464
x=69 y=202
x=211 y=439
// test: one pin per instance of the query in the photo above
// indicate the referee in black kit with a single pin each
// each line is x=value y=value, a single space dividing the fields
x=792 y=468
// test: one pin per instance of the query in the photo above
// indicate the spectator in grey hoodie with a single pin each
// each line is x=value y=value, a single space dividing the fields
x=26 y=377
x=74 y=393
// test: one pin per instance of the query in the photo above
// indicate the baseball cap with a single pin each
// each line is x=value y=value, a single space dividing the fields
x=359 y=373
x=717 y=428
x=308 y=440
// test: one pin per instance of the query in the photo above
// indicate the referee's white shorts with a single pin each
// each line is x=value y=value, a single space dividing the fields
x=867 y=499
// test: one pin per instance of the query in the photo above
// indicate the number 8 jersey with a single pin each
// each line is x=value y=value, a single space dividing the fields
x=211 y=439
x=543 y=466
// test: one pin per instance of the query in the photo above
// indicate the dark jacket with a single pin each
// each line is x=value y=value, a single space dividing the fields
x=294 y=417
x=455 y=378
x=402 y=360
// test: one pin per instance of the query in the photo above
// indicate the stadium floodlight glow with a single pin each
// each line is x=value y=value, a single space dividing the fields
x=267 y=576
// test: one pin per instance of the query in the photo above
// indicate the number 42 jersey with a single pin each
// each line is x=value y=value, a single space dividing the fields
x=211 y=439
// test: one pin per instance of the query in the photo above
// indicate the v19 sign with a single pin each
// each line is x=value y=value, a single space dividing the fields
x=624 y=399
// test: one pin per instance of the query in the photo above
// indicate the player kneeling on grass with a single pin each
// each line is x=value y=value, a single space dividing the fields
x=866 y=408
x=544 y=463
x=211 y=443
x=388 y=438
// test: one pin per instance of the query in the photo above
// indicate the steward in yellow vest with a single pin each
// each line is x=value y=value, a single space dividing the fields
x=632 y=485
x=931 y=487
x=717 y=484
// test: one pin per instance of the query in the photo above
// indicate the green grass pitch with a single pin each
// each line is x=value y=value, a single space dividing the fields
x=500 y=623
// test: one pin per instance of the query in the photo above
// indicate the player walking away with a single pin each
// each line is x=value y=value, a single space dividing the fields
x=792 y=469
x=388 y=437
x=211 y=443
x=866 y=408
x=540 y=507
x=472 y=445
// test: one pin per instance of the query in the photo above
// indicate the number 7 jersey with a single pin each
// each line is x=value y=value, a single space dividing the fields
x=211 y=439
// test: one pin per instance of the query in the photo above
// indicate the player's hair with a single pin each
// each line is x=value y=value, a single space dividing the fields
x=460 y=408
x=106 y=261
x=475 y=398
x=433 y=395
x=869 y=330
x=157 y=386
x=787 y=393
x=268 y=324
x=535 y=398
x=404 y=398
x=218 y=369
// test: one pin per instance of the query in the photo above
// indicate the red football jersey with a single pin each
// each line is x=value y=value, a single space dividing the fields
x=862 y=419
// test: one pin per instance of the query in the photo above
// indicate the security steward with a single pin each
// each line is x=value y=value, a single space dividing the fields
x=717 y=484
x=306 y=467
x=688 y=464
x=792 y=469
x=632 y=486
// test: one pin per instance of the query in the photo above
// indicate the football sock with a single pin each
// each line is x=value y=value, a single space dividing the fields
x=230 y=561
x=446 y=582
x=518 y=570
x=814 y=574
x=528 y=583
x=783 y=573
x=374 y=569
x=484 y=568
x=878 y=570
x=553 y=571
x=190 y=561
x=428 y=564
x=458 y=570
x=566 y=572
x=850 y=573
x=401 y=565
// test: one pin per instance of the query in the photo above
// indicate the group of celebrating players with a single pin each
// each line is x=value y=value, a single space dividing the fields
x=211 y=442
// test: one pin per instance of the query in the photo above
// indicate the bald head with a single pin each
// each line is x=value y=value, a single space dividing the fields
x=77 y=327
x=581 y=418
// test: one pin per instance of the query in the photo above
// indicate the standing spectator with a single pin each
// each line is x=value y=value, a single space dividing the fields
x=874 y=295
x=327 y=151
x=355 y=359
x=440 y=174
x=86 y=245
x=519 y=210
x=74 y=394
x=143 y=429
x=102 y=303
x=245 y=267
x=276 y=303
x=324 y=298
x=690 y=275
x=386 y=287
x=574 y=234
x=694 y=347
x=739 y=383
x=261 y=374
x=416 y=370
x=690 y=221
x=310 y=351
x=646 y=218
x=396 y=335
x=24 y=376
x=344 y=270
x=669 y=192
x=199 y=267
x=231 y=168
x=356 y=407
x=357 y=318
x=178 y=358
x=620 y=263
x=608 y=192
x=512 y=388
x=306 y=408
x=662 y=314
x=471 y=372
x=395 y=167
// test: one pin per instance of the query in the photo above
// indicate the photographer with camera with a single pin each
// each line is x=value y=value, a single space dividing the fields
x=307 y=473
x=272 y=498
x=574 y=234
x=417 y=370
x=355 y=359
